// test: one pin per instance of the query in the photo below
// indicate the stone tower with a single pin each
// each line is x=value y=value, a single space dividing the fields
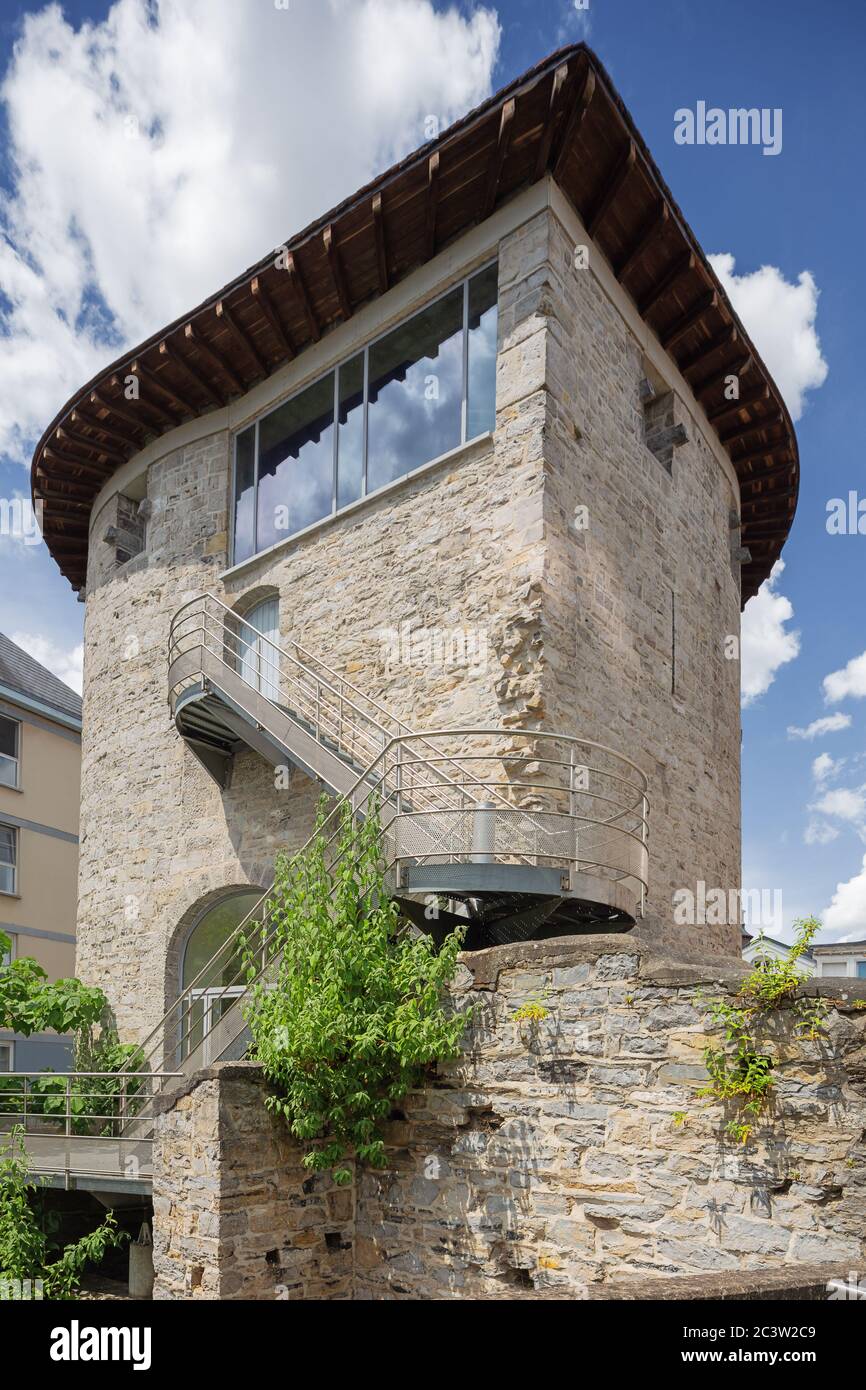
x=525 y=352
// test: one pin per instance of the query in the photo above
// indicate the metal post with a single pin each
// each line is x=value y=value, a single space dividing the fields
x=643 y=836
x=483 y=833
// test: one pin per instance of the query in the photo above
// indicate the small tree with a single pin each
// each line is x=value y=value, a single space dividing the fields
x=25 y=1249
x=350 y=1011
x=31 y=1003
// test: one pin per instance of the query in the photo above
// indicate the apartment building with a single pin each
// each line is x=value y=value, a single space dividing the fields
x=40 y=771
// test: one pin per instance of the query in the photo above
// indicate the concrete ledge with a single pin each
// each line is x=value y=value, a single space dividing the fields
x=800 y=1283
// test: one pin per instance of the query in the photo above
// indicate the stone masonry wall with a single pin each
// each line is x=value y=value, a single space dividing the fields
x=638 y=592
x=235 y=1214
x=552 y=1160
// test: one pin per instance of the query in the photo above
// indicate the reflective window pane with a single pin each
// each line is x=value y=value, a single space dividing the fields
x=245 y=476
x=296 y=463
x=481 y=407
x=350 y=456
x=7 y=859
x=211 y=932
x=416 y=392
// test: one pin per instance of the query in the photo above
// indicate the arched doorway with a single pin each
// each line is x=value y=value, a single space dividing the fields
x=259 y=634
x=210 y=966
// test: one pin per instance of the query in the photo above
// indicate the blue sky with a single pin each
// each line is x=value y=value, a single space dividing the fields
x=68 y=301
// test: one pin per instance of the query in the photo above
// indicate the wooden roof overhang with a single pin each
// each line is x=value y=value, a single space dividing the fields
x=565 y=118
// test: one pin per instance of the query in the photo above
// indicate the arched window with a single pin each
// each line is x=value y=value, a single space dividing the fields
x=211 y=969
x=259 y=657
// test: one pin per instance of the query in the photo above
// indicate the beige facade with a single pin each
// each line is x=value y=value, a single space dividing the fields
x=40 y=813
x=614 y=630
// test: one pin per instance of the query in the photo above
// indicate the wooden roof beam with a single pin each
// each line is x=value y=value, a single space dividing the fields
x=78 y=491
x=620 y=173
x=494 y=173
x=686 y=321
x=432 y=202
x=729 y=335
x=575 y=121
x=68 y=461
x=751 y=427
x=152 y=380
x=653 y=227
x=240 y=335
x=778 y=473
x=132 y=419
x=737 y=368
x=555 y=109
x=170 y=354
x=69 y=440
x=760 y=455
x=263 y=299
x=214 y=357
x=50 y=498
x=165 y=418
x=381 y=245
x=113 y=436
x=338 y=276
x=683 y=265
x=296 y=280
x=758 y=393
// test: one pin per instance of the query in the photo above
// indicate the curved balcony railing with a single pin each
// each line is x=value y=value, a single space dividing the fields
x=534 y=798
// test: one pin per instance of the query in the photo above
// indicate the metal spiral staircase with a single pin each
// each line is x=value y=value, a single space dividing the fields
x=509 y=834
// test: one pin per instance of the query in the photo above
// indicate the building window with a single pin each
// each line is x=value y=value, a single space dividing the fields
x=8 y=859
x=7 y=957
x=7 y=1056
x=258 y=648
x=410 y=396
x=10 y=736
x=212 y=970
x=834 y=967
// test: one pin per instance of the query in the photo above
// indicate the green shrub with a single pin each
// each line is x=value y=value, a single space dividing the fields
x=350 y=1012
x=25 y=1248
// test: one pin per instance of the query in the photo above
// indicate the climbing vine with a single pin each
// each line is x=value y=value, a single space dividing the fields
x=740 y=1072
x=350 y=1011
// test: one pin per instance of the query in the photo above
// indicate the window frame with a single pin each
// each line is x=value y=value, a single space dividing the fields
x=16 y=785
x=8 y=1045
x=12 y=892
x=334 y=370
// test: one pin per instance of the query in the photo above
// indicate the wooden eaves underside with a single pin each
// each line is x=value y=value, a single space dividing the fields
x=563 y=117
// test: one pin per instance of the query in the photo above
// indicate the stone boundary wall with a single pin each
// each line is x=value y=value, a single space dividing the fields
x=555 y=1160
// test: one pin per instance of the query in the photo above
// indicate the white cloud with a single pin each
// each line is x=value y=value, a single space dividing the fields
x=780 y=317
x=64 y=663
x=251 y=122
x=820 y=833
x=850 y=681
x=824 y=767
x=847 y=911
x=830 y=724
x=844 y=802
x=765 y=645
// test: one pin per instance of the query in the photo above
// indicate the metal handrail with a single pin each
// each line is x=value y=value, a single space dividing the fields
x=403 y=730
x=405 y=795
